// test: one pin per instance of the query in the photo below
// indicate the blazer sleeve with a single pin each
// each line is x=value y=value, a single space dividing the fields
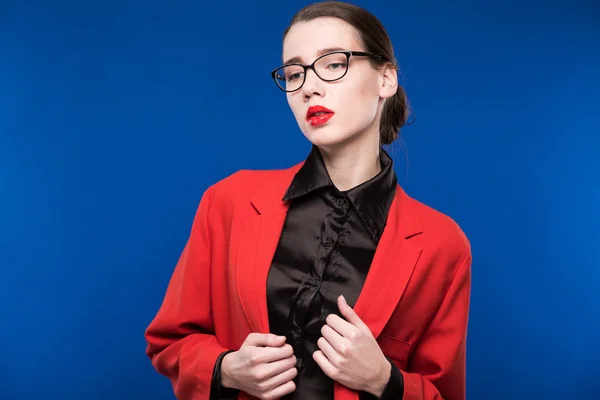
x=438 y=364
x=180 y=339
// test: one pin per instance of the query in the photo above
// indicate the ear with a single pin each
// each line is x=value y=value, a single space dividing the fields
x=389 y=81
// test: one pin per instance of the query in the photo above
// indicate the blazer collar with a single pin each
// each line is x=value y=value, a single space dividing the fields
x=271 y=199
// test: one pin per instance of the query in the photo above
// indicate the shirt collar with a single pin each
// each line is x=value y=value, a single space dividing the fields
x=371 y=199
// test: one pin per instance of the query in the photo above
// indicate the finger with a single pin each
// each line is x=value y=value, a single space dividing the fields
x=329 y=369
x=280 y=391
x=333 y=356
x=339 y=343
x=271 y=354
x=264 y=340
x=341 y=326
x=278 y=380
x=348 y=313
x=277 y=367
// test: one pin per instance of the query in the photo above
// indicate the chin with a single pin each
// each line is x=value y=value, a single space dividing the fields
x=323 y=137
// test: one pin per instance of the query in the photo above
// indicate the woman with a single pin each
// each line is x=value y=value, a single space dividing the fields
x=325 y=280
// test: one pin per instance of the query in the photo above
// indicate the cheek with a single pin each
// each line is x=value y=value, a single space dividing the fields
x=362 y=101
x=296 y=106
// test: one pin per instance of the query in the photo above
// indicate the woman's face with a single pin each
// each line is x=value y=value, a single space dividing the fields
x=355 y=100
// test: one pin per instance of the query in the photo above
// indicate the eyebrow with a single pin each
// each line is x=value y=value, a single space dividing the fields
x=321 y=52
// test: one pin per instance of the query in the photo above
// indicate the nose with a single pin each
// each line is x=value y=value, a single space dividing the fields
x=313 y=85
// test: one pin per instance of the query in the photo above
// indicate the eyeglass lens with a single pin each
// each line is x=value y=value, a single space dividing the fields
x=329 y=68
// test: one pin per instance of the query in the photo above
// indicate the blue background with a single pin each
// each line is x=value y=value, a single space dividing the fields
x=115 y=116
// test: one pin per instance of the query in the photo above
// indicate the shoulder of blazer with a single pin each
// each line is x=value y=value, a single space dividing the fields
x=441 y=233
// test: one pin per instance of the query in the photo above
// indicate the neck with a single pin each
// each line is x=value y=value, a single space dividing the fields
x=351 y=164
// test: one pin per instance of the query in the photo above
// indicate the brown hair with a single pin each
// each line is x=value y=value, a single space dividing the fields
x=375 y=39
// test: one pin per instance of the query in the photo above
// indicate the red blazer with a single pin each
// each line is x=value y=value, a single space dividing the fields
x=415 y=299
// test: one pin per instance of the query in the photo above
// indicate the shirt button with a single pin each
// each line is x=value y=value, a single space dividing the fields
x=340 y=202
x=327 y=242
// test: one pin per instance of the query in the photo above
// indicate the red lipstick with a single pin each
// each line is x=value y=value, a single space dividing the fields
x=318 y=115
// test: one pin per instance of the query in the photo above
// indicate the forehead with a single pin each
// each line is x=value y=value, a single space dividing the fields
x=305 y=39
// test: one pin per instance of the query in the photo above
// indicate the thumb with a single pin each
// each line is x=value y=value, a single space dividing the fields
x=350 y=315
x=264 y=340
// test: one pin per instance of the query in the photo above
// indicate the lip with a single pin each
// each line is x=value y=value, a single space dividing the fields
x=320 y=119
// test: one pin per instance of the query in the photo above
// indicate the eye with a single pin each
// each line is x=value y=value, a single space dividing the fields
x=335 y=66
x=294 y=76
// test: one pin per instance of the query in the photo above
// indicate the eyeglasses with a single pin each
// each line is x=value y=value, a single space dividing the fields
x=329 y=67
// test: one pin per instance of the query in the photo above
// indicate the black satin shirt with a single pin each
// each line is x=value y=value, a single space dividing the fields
x=325 y=250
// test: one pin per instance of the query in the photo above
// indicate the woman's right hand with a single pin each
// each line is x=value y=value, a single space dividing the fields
x=263 y=367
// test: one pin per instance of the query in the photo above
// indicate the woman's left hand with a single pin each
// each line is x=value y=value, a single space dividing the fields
x=350 y=355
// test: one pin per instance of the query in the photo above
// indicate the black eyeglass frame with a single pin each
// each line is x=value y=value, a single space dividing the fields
x=348 y=54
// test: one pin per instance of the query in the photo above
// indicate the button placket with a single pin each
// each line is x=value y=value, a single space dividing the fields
x=342 y=203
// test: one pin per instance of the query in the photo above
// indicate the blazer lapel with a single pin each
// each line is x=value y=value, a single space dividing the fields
x=391 y=269
x=261 y=229
x=392 y=266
